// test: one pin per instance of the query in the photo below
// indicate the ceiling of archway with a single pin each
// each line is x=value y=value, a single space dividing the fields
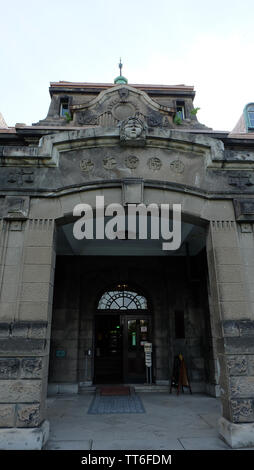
x=193 y=241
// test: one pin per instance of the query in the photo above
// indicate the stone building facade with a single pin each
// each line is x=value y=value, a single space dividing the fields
x=77 y=312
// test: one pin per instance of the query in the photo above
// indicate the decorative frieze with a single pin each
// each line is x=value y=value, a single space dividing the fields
x=177 y=166
x=240 y=181
x=7 y=415
x=154 y=164
x=86 y=165
x=9 y=368
x=237 y=365
x=40 y=224
x=242 y=411
x=223 y=225
x=21 y=177
x=109 y=163
x=24 y=368
x=241 y=387
x=132 y=162
x=28 y=415
x=31 y=367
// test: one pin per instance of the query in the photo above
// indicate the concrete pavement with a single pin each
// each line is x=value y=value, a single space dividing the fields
x=170 y=423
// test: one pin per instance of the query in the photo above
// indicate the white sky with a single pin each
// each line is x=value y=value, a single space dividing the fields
x=208 y=44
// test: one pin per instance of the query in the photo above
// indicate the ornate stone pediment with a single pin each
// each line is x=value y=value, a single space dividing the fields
x=119 y=103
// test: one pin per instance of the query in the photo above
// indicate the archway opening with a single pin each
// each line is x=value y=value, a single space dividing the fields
x=130 y=287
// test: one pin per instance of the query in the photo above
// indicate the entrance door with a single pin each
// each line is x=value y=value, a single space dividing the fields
x=137 y=331
x=108 y=349
x=122 y=327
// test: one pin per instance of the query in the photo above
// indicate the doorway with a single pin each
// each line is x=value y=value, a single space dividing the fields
x=119 y=348
x=108 y=356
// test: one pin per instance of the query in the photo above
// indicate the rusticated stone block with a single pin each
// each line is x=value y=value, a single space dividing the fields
x=246 y=328
x=4 y=330
x=239 y=345
x=31 y=368
x=22 y=346
x=28 y=329
x=20 y=329
x=242 y=387
x=242 y=411
x=251 y=365
x=231 y=328
x=28 y=416
x=9 y=368
x=38 y=330
x=237 y=365
x=7 y=416
x=20 y=391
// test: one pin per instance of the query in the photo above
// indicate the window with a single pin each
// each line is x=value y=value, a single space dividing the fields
x=180 y=109
x=179 y=324
x=122 y=298
x=251 y=115
x=64 y=107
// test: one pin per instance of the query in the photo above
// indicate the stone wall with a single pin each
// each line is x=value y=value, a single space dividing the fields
x=23 y=373
x=27 y=276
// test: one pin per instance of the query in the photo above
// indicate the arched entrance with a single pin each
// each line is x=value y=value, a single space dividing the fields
x=128 y=292
x=123 y=325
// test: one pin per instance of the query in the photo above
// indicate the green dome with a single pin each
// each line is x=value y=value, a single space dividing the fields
x=120 y=79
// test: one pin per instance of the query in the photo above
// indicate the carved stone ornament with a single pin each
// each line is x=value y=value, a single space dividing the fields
x=177 y=166
x=237 y=365
x=86 y=165
x=84 y=118
x=21 y=177
x=123 y=94
x=240 y=181
x=154 y=164
x=109 y=163
x=132 y=131
x=242 y=411
x=132 y=161
x=153 y=121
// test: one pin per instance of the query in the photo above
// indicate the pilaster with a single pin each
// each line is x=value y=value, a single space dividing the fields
x=233 y=326
x=27 y=276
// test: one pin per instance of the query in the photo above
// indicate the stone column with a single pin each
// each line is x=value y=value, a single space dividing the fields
x=229 y=257
x=27 y=273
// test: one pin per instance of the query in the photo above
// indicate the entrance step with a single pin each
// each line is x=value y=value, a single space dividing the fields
x=151 y=388
x=136 y=387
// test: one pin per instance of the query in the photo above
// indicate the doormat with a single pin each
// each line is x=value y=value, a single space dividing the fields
x=115 y=404
x=115 y=390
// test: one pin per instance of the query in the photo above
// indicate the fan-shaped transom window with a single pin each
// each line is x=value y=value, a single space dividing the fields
x=122 y=298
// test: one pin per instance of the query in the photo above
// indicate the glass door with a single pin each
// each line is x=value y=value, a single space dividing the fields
x=108 y=367
x=137 y=331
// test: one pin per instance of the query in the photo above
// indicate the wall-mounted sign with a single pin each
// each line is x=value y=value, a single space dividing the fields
x=60 y=353
x=148 y=347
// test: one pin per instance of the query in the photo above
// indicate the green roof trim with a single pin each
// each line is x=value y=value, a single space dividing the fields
x=120 y=79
